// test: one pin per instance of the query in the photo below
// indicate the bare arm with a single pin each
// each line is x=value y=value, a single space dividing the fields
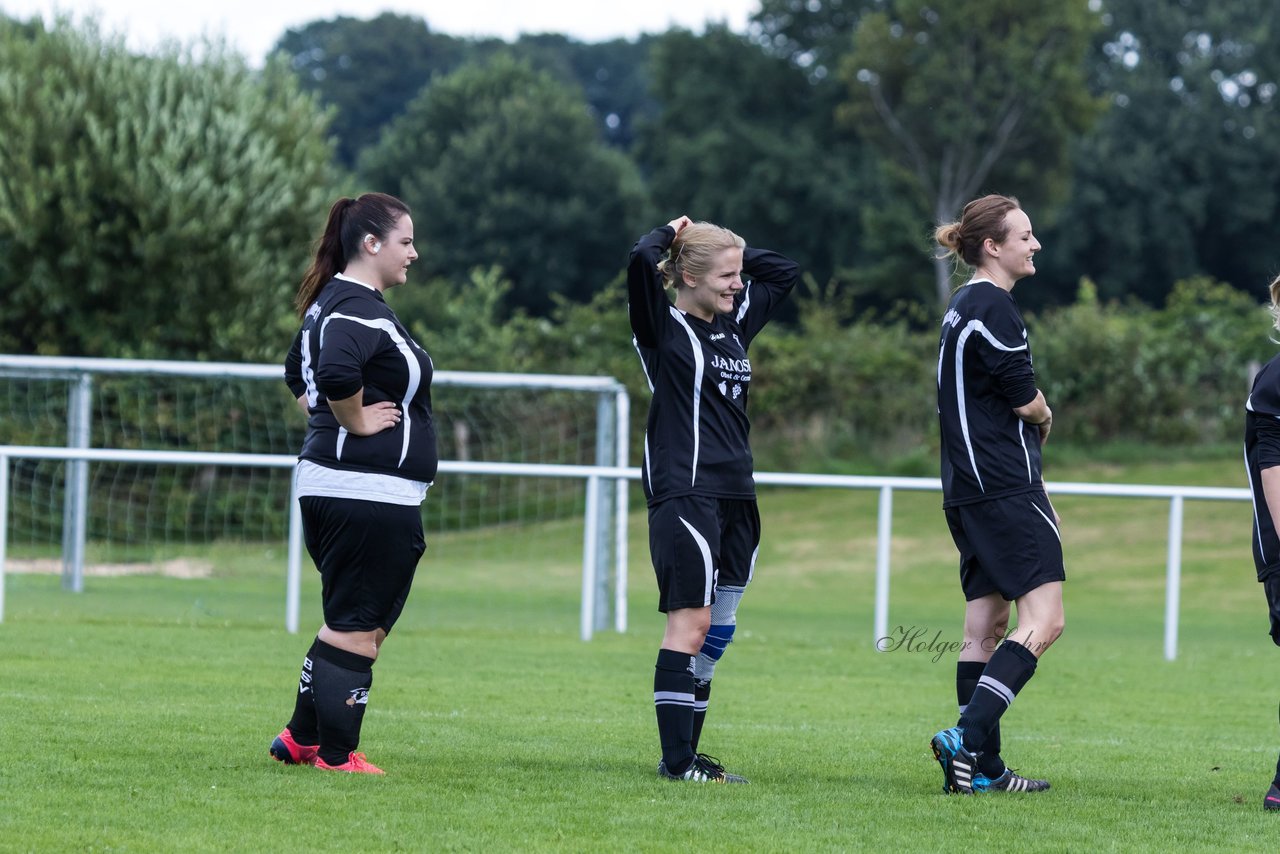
x=1038 y=414
x=302 y=404
x=363 y=420
x=1271 y=492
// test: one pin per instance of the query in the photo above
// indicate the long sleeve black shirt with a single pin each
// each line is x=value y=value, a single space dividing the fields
x=697 y=439
x=984 y=373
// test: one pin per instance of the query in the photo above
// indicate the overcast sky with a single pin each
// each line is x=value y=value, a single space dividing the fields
x=254 y=26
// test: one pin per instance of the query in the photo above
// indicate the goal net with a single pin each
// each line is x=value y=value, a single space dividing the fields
x=156 y=517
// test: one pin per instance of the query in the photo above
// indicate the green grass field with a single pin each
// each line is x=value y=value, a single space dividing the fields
x=136 y=716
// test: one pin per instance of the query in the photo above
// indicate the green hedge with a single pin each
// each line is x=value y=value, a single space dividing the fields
x=843 y=396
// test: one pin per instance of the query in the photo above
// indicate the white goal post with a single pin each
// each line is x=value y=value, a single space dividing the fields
x=604 y=549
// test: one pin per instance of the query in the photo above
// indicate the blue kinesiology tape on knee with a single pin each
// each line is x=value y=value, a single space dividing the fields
x=724 y=620
x=718 y=638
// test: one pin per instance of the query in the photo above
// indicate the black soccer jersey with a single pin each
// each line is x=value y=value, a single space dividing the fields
x=351 y=339
x=984 y=372
x=697 y=439
x=1262 y=451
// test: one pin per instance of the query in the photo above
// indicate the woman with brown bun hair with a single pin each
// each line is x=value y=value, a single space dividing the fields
x=367 y=460
x=993 y=421
x=1262 y=463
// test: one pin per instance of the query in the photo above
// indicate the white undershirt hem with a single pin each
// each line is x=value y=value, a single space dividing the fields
x=314 y=480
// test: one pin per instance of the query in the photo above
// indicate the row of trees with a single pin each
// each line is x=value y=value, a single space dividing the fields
x=164 y=205
x=1139 y=133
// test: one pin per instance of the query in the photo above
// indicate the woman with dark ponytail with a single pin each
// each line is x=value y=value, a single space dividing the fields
x=367 y=460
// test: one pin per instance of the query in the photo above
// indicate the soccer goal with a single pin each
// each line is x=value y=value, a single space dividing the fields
x=119 y=466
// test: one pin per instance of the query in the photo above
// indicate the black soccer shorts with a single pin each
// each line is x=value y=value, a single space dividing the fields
x=1008 y=546
x=367 y=553
x=696 y=542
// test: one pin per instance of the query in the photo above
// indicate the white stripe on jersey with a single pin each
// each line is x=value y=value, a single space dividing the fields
x=342 y=440
x=648 y=379
x=707 y=568
x=410 y=363
x=648 y=470
x=746 y=303
x=981 y=328
x=308 y=373
x=698 y=368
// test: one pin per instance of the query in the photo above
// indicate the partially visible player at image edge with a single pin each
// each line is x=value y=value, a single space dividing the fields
x=1262 y=463
x=993 y=421
x=704 y=526
x=368 y=457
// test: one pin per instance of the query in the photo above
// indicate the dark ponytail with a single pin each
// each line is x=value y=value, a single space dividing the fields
x=349 y=221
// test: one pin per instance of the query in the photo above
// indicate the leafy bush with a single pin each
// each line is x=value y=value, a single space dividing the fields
x=152 y=206
x=1177 y=375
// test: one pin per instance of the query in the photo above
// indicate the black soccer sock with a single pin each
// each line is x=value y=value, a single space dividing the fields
x=701 y=694
x=341 y=682
x=303 y=723
x=673 y=701
x=967 y=675
x=1006 y=673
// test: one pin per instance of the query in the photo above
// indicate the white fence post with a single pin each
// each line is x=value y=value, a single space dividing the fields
x=75 y=522
x=884 y=539
x=590 y=536
x=293 y=574
x=1173 y=579
x=606 y=447
x=622 y=402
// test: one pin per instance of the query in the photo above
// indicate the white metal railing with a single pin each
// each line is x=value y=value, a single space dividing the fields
x=595 y=475
x=591 y=555
x=604 y=546
x=1177 y=495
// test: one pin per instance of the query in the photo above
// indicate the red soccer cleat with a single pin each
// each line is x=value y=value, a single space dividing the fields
x=356 y=764
x=285 y=749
